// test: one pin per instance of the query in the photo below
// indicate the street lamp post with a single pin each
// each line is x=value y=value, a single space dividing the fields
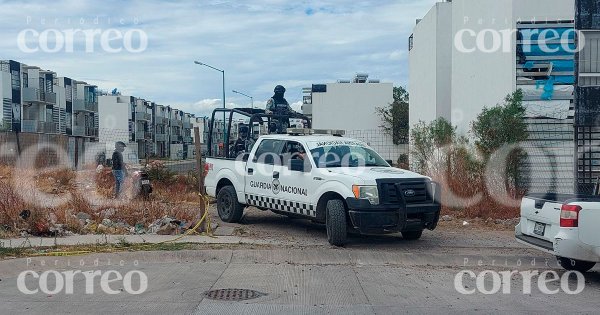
x=223 y=73
x=251 y=98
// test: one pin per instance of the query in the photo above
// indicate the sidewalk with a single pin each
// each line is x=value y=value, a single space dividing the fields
x=23 y=242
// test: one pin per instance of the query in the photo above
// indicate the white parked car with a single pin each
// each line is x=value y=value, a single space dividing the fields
x=563 y=225
x=334 y=180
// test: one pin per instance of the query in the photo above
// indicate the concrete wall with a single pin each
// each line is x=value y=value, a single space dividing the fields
x=443 y=61
x=43 y=150
x=200 y=123
x=527 y=10
x=114 y=113
x=177 y=151
x=430 y=66
x=350 y=106
x=479 y=78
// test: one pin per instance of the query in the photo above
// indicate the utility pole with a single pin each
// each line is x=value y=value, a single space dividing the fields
x=200 y=166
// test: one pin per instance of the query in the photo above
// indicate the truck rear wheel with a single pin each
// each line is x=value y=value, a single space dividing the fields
x=336 y=223
x=412 y=235
x=228 y=207
x=575 y=265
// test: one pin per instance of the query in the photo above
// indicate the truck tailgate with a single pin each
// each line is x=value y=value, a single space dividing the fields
x=589 y=227
x=540 y=218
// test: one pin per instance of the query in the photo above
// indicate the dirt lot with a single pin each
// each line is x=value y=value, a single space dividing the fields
x=450 y=236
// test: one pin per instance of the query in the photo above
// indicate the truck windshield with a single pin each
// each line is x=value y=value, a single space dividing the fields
x=346 y=156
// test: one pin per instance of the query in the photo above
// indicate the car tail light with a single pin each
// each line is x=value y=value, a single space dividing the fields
x=569 y=216
x=207 y=167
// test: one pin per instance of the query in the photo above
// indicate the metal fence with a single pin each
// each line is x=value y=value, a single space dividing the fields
x=43 y=150
x=381 y=142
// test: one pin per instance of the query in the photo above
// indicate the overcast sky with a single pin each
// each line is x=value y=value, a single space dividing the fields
x=259 y=44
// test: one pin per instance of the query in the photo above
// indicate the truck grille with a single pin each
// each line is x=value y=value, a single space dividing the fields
x=414 y=192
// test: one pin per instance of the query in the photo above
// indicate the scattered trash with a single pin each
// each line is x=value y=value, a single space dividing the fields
x=167 y=229
x=106 y=213
x=139 y=228
x=57 y=229
x=52 y=218
x=25 y=214
x=83 y=216
x=465 y=223
x=165 y=226
x=446 y=218
x=507 y=222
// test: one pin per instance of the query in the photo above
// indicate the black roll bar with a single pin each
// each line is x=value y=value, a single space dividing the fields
x=255 y=115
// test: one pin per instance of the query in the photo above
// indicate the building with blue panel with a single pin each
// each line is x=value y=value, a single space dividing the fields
x=465 y=55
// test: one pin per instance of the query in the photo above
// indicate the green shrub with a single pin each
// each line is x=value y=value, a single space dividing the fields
x=158 y=171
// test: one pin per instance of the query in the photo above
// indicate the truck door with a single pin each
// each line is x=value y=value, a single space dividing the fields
x=260 y=168
x=296 y=188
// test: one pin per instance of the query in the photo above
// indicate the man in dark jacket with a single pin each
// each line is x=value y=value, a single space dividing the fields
x=278 y=105
x=118 y=167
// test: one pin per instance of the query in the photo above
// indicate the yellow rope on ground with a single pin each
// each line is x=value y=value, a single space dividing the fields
x=73 y=253
x=208 y=233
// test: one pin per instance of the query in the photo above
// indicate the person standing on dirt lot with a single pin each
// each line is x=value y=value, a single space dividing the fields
x=118 y=167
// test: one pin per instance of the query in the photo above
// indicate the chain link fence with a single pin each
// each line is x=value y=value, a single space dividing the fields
x=382 y=143
x=45 y=150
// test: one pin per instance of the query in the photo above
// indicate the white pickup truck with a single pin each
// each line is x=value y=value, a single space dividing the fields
x=329 y=179
x=566 y=226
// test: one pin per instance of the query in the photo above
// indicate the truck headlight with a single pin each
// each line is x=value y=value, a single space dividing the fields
x=369 y=193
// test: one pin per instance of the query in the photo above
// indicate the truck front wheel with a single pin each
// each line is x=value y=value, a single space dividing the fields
x=228 y=207
x=336 y=223
x=575 y=265
x=412 y=235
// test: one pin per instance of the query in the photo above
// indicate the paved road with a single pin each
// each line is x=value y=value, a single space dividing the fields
x=381 y=275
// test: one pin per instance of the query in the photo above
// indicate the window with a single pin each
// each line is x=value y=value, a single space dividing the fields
x=293 y=150
x=49 y=86
x=346 y=156
x=267 y=150
x=15 y=80
x=69 y=93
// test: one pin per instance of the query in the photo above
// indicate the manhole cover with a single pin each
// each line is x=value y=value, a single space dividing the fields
x=233 y=294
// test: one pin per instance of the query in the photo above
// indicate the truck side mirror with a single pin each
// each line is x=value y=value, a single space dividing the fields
x=390 y=162
x=245 y=157
x=297 y=165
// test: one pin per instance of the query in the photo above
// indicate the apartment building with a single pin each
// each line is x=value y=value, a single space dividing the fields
x=202 y=124
x=117 y=123
x=78 y=108
x=460 y=62
x=28 y=98
x=363 y=96
x=39 y=101
x=162 y=125
x=143 y=127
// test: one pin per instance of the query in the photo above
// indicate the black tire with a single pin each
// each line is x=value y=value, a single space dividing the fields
x=575 y=265
x=336 y=223
x=412 y=235
x=228 y=207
